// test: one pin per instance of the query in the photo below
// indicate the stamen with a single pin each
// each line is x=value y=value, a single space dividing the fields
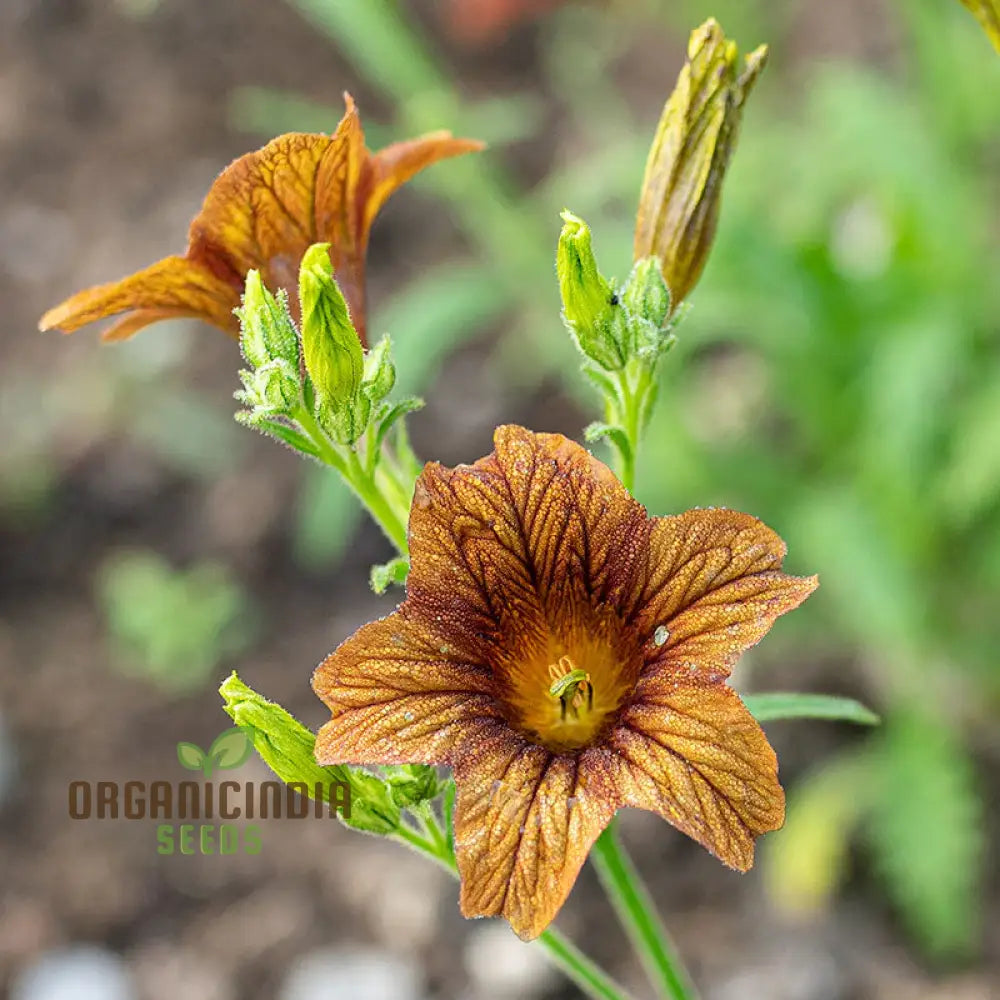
x=571 y=686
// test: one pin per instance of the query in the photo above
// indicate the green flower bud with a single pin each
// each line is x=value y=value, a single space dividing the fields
x=412 y=783
x=331 y=346
x=590 y=306
x=287 y=748
x=987 y=12
x=267 y=332
x=272 y=389
x=645 y=294
x=380 y=372
x=679 y=204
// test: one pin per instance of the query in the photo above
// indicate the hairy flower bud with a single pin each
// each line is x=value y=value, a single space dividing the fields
x=287 y=748
x=333 y=353
x=590 y=306
x=679 y=204
x=267 y=332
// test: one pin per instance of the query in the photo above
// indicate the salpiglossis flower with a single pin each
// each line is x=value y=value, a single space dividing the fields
x=262 y=213
x=566 y=655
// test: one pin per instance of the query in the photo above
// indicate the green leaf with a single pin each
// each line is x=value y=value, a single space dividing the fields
x=388 y=417
x=285 y=434
x=386 y=574
x=788 y=705
x=230 y=749
x=191 y=756
x=599 y=431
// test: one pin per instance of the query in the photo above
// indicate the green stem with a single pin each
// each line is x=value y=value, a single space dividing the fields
x=626 y=411
x=637 y=914
x=591 y=979
x=385 y=510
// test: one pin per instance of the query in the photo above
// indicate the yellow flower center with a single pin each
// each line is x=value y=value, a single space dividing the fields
x=563 y=691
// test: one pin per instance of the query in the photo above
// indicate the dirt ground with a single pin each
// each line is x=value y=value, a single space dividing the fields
x=111 y=129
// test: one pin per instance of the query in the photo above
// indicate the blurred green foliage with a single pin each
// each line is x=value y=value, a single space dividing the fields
x=172 y=627
x=838 y=374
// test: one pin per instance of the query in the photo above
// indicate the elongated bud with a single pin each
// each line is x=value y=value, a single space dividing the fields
x=287 y=748
x=267 y=332
x=330 y=344
x=679 y=203
x=590 y=306
x=987 y=12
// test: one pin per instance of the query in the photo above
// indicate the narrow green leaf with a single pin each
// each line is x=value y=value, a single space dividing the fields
x=385 y=574
x=394 y=413
x=787 y=705
x=287 y=435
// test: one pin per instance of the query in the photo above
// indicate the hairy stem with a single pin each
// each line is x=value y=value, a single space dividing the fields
x=636 y=912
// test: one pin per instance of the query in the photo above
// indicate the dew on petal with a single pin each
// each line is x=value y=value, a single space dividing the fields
x=661 y=635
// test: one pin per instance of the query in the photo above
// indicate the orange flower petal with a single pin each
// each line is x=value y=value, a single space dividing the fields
x=525 y=821
x=263 y=211
x=397 y=696
x=713 y=583
x=171 y=287
x=396 y=164
x=517 y=538
x=699 y=759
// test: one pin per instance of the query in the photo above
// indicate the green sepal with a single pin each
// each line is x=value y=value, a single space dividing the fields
x=380 y=372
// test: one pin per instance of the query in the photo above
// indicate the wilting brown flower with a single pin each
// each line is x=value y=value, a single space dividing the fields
x=566 y=655
x=694 y=142
x=263 y=212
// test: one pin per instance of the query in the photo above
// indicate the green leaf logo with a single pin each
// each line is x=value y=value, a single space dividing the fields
x=229 y=750
x=191 y=756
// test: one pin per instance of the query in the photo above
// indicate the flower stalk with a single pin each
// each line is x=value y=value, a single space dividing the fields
x=637 y=915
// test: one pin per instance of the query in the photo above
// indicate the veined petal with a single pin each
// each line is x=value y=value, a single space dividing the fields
x=260 y=211
x=263 y=212
x=714 y=584
x=398 y=696
x=174 y=286
x=699 y=759
x=525 y=820
x=516 y=541
x=397 y=163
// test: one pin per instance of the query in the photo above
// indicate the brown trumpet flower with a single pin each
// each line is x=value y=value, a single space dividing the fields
x=566 y=655
x=263 y=212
